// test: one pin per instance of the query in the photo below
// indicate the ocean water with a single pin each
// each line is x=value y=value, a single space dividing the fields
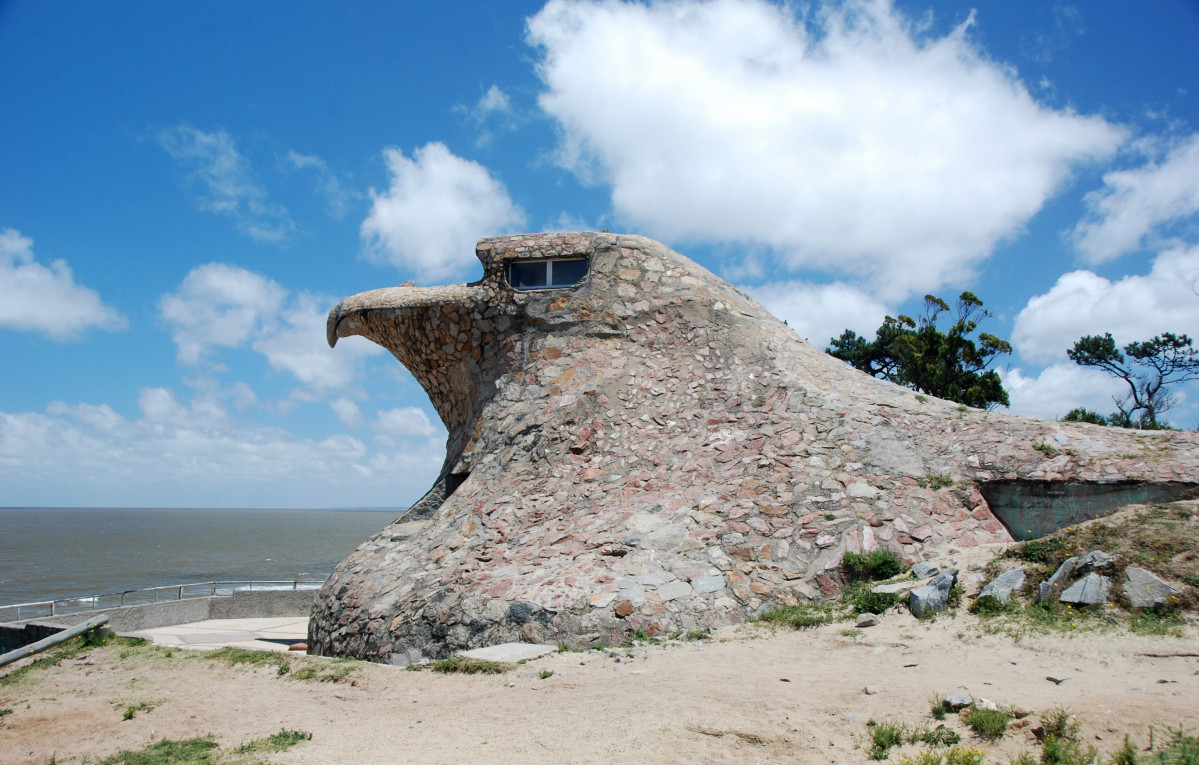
x=52 y=553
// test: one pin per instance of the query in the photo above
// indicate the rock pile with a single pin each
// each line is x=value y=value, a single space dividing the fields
x=649 y=449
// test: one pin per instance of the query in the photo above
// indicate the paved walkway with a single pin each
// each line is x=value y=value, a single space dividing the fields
x=273 y=634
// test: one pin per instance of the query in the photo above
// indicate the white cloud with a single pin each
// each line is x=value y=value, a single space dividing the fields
x=220 y=305
x=493 y=101
x=1060 y=388
x=195 y=454
x=821 y=312
x=1133 y=308
x=405 y=421
x=437 y=207
x=34 y=298
x=229 y=185
x=846 y=141
x=347 y=411
x=1134 y=203
x=325 y=183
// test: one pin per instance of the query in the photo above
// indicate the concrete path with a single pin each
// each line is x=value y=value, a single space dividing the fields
x=273 y=634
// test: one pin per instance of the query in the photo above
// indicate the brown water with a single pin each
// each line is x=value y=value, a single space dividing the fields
x=50 y=553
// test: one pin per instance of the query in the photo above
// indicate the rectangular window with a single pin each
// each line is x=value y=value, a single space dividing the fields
x=546 y=274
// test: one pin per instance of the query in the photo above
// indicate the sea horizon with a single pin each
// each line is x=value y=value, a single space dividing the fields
x=56 y=553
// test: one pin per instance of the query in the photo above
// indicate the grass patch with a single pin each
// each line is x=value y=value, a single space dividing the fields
x=955 y=756
x=800 y=617
x=132 y=710
x=990 y=606
x=934 y=482
x=861 y=600
x=884 y=736
x=1060 y=724
x=333 y=671
x=988 y=724
x=276 y=742
x=873 y=566
x=192 y=751
x=938 y=707
x=545 y=674
x=461 y=665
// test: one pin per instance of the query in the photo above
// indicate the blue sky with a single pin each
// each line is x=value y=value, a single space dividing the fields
x=186 y=188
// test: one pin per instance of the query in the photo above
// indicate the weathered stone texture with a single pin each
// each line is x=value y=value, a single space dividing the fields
x=650 y=449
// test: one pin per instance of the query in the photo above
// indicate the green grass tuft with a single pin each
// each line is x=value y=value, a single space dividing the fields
x=464 y=666
x=873 y=566
x=989 y=724
x=192 y=751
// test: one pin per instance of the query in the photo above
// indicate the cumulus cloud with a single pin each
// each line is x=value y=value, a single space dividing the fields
x=1060 y=388
x=193 y=452
x=34 y=298
x=224 y=306
x=1132 y=308
x=846 y=140
x=1134 y=204
x=405 y=421
x=437 y=206
x=325 y=182
x=347 y=411
x=821 y=312
x=229 y=187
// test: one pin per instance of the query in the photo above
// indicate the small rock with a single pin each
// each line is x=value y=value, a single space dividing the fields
x=957 y=700
x=1002 y=586
x=866 y=620
x=933 y=596
x=1091 y=590
x=986 y=704
x=1049 y=590
x=1096 y=560
x=1058 y=679
x=871 y=690
x=1145 y=590
x=975 y=567
x=925 y=570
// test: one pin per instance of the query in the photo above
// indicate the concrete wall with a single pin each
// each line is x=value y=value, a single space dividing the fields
x=240 y=605
x=14 y=637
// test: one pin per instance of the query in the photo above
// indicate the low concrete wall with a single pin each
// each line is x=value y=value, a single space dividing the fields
x=14 y=637
x=242 y=604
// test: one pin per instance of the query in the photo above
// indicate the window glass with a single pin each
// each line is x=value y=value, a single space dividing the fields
x=564 y=273
x=528 y=274
x=544 y=274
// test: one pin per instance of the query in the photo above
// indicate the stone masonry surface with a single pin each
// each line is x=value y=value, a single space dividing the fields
x=651 y=450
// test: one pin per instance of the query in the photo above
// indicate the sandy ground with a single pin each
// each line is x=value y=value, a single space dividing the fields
x=749 y=694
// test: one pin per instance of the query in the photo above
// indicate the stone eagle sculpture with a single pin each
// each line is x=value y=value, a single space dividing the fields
x=634 y=444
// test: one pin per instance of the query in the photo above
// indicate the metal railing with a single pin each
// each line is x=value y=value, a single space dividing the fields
x=16 y=612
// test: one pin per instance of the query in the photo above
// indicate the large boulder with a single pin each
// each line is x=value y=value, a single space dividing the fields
x=934 y=596
x=1002 y=586
x=1145 y=590
x=648 y=449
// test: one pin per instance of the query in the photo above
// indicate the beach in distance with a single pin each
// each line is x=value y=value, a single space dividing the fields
x=51 y=553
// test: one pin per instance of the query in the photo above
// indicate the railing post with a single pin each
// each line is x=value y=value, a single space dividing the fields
x=52 y=608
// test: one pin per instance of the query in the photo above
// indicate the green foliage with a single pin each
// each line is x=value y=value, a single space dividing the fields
x=1125 y=755
x=1056 y=751
x=192 y=751
x=934 y=482
x=1149 y=369
x=276 y=742
x=1045 y=550
x=938 y=707
x=1045 y=449
x=545 y=674
x=802 y=616
x=463 y=666
x=873 y=566
x=862 y=600
x=1084 y=415
x=917 y=354
x=989 y=724
x=884 y=736
x=1182 y=750
x=989 y=605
